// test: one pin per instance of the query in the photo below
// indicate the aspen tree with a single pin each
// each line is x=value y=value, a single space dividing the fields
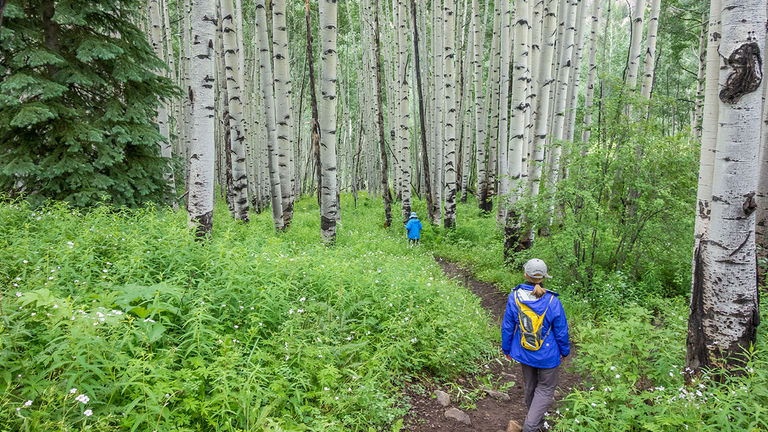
x=329 y=206
x=761 y=213
x=422 y=116
x=724 y=298
x=439 y=116
x=572 y=98
x=709 y=125
x=520 y=85
x=521 y=76
x=558 y=126
x=544 y=86
x=503 y=127
x=485 y=199
x=268 y=97
x=449 y=221
x=237 y=134
x=635 y=47
x=283 y=107
x=481 y=117
x=649 y=64
x=315 y=125
x=187 y=80
x=699 y=97
x=468 y=122
x=201 y=103
x=586 y=130
x=404 y=123
x=166 y=149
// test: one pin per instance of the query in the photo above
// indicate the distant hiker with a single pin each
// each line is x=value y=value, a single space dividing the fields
x=535 y=333
x=414 y=228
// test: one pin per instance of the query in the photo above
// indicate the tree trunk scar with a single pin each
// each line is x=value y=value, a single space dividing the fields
x=749 y=234
x=749 y=204
x=747 y=72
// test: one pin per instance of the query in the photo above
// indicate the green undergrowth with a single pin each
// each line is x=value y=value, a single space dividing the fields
x=630 y=341
x=251 y=331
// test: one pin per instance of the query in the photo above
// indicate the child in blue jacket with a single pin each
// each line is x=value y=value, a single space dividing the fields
x=540 y=367
x=414 y=228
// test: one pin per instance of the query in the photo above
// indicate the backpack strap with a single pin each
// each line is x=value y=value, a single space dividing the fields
x=552 y=297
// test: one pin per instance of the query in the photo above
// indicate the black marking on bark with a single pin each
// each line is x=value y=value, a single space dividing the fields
x=697 y=357
x=704 y=210
x=747 y=73
x=203 y=225
x=749 y=204
x=746 y=239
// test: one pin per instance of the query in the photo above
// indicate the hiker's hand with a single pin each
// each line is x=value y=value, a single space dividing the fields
x=508 y=357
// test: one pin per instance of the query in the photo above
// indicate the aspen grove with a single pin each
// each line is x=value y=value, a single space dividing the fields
x=202 y=206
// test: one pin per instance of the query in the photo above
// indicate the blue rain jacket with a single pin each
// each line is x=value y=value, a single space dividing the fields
x=555 y=344
x=414 y=229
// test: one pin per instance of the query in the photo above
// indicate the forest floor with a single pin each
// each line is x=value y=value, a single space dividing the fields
x=485 y=412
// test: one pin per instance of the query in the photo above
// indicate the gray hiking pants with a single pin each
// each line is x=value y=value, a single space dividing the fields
x=539 y=387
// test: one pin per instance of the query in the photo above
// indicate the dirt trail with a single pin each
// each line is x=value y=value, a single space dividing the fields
x=490 y=414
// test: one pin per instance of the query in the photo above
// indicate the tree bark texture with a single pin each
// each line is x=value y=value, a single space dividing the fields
x=268 y=96
x=200 y=96
x=724 y=300
x=451 y=118
x=329 y=206
x=236 y=132
x=283 y=107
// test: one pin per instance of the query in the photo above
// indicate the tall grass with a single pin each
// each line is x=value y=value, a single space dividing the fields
x=253 y=330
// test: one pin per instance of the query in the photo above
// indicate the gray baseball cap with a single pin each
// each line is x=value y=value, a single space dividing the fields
x=536 y=268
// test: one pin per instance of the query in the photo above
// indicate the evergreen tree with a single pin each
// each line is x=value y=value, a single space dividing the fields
x=78 y=100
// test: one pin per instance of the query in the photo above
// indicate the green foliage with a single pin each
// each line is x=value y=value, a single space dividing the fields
x=623 y=220
x=78 y=102
x=251 y=331
x=636 y=364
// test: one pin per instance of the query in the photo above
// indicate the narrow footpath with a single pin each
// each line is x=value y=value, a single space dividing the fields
x=495 y=409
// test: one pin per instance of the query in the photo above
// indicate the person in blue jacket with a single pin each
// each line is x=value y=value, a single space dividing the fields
x=540 y=367
x=414 y=228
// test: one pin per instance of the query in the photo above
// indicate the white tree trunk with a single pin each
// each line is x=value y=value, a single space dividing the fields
x=521 y=77
x=283 y=107
x=481 y=116
x=724 y=300
x=591 y=75
x=404 y=115
x=709 y=125
x=166 y=149
x=503 y=128
x=761 y=213
x=494 y=88
x=200 y=94
x=649 y=65
x=564 y=72
x=237 y=134
x=702 y=56
x=266 y=78
x=575 y=78
x=544 y=84
x=635 y=47
x=329 y=206
x=438 y=109
x=449 y=221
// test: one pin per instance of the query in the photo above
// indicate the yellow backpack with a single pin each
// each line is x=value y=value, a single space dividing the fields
x=530 y=325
